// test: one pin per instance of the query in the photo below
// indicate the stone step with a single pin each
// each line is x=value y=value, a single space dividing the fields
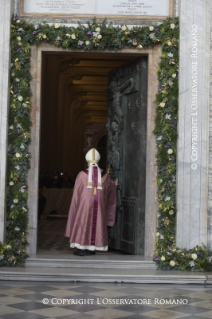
x=59 y=274
x=88 y=263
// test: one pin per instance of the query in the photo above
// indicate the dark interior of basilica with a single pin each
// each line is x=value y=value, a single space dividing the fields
x=73 y=120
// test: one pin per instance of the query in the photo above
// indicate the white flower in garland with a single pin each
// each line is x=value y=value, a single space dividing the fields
x=170 y=151
x=57 y=25
x=170 y=55
x=170 y=82
x=124 y=28
x=87 y=42
x=18 y=38
x=12 y=206
x=99 y=36
x=172 y=263
x=172 y=25
x=15 y=201
x=171 y=212
x=22 y=190
x=161 y=237
x=98 y=29
x=24 y=104
x=17 y=167
x=11 y=127
x=140 y=46
x=20 y=98
x=80 y=42
x=11 y=183
x=194 y=256
x=19 y=125
x=168 y=116
x=151 y=28
x=159 y=137
x=191 y=263
x=151 y=35
x=174 y=75
x=167 y=198
x=17 y=79
x=163 y=258
x=157 y=234
x=16 y=228
x=162 y=104
x=17 y=155
x=22 y=146
x=73 y=36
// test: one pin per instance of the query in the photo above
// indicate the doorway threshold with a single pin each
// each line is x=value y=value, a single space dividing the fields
x=101 y=260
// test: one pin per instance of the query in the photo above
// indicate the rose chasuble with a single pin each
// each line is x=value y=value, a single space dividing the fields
x=93 y=208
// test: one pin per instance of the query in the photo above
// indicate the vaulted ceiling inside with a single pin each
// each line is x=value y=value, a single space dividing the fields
x=74 y=106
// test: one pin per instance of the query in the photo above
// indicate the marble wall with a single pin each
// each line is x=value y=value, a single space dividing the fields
x=210 y=150
x=193 y=124
x=6 y=10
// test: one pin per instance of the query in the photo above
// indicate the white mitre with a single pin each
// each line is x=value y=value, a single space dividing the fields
x=92 y=157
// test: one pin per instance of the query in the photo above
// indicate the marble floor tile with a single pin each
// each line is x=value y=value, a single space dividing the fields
x=54 y=312
x=165 y=314
x=23 y=315
x=207 y=314
x=188 y=309
x=205 y=304
x=110 y=313
x=24 y=301
x=60 y=293
x=9 y=310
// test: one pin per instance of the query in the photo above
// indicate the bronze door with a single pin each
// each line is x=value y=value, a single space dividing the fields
x=126 y=152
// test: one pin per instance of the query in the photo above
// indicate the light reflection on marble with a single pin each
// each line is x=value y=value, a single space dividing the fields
x=192 y=185
x=5 y=17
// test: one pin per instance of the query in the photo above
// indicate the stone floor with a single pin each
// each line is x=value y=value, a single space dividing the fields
x=92 y=299
x=51 y=234
x=103 y=300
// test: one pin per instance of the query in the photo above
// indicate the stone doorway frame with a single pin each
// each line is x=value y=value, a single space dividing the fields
x=153 y=54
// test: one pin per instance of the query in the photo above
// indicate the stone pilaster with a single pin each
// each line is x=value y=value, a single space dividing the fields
x=6 y=9
x=210 y=153
x=193 y=125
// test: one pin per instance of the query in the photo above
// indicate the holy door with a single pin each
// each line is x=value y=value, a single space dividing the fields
x=126 y=152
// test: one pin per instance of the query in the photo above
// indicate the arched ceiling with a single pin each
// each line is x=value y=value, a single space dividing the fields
x=74 y=102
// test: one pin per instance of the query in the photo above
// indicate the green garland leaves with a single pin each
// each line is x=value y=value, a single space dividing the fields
x=95 y=36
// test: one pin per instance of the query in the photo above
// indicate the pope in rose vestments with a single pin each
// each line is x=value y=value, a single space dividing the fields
x=93 y=208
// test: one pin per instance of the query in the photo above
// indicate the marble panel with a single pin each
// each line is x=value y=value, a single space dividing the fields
x=114 y=7
x=193 y=125
x=5 y=17
x=210 y=152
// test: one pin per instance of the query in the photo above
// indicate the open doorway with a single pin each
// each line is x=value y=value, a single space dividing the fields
x=73 y=120
x=37 y=63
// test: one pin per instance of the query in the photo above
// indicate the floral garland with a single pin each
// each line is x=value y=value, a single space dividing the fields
x=167 y=255
x=94 y=36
